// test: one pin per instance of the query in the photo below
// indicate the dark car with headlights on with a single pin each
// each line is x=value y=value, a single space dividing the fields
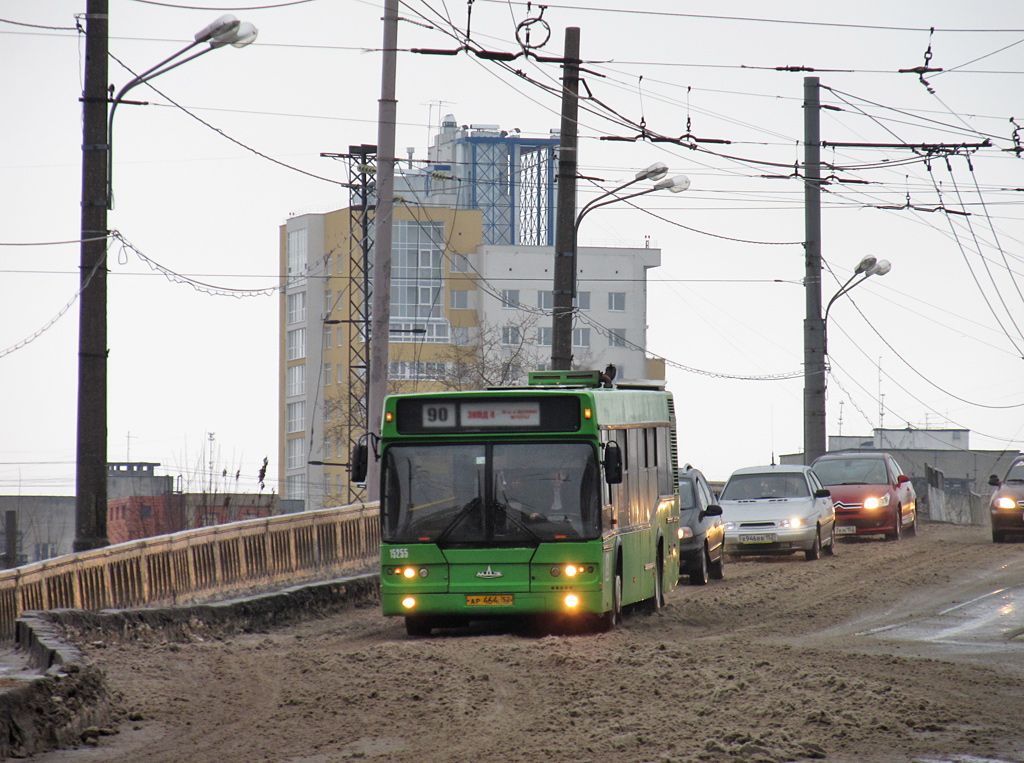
x=1006 y=507
x=701 y=530
x=871 y=493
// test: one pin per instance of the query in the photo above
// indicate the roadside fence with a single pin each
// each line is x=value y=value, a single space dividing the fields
x=196 y=565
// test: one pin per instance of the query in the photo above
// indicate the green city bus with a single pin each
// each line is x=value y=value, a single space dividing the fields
x=554 y=501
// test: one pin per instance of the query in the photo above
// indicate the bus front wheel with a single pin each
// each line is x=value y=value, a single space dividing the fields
x=417 y=625
x=608 y=620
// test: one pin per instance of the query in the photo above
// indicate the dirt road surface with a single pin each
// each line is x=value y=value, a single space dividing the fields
x=766 y=665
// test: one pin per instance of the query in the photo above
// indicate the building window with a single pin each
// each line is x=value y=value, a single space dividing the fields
x=417 y=282
x=328 y=335
x=297 y=253
x=327 y=373
x=295 y=486
x=295 y=453
x=582 y=300
x=460 y=336
x=297 y=307
x=341 y=374
x=510 y=299
x=432 y=333
x=412 y=370
x=617 y=301
x=545 y=300
x=296 y=344
x=327 y=269
x=458 y=299
x=328 y=302
x=295 y=381
x=581 y=337
x=145 y=511
x=295 y=417
x=510 y=335
x=616 y=337
x=328 y=410
x=544 y=334
x=458 y=263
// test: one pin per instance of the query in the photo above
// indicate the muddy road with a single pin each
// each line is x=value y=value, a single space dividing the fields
x=783 y=660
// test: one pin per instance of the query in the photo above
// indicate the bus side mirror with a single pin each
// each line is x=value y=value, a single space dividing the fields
x=612 y=463
x=359 y=461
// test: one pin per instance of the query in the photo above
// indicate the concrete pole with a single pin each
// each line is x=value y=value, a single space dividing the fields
x=91 y=454
x=814 y=326
x=380 y=317
x=565 y=220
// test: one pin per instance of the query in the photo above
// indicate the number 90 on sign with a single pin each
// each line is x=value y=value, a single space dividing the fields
x=439 y=415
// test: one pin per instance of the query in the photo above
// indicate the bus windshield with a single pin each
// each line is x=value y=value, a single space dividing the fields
x=491 y=494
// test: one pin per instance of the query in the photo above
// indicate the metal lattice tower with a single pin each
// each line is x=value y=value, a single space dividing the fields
x=352 y=405
x=362 y=166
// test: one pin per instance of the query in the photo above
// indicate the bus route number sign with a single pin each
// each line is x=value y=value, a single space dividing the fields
x=439 y=416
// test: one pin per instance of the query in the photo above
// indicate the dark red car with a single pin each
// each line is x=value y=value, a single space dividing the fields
x=871 y=493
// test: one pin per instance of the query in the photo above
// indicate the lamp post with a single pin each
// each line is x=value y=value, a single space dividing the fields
x=97 y=198
x=227 y=30
x=867 y=267
x=561 y=332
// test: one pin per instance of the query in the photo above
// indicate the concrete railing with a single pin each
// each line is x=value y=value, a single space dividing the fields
x=196 y=565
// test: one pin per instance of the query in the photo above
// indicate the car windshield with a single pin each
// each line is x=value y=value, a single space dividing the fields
x=851 y=471
x=502 y=494
x=750 y=486
x=686 y=499
x=1016 y=473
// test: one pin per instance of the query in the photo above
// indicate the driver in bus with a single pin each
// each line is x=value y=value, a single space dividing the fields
x=532 y=498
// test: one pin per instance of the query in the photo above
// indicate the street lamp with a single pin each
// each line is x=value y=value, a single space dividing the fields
x=561 y=331
x=867 y=267
x=97 y=198
x=227 y=30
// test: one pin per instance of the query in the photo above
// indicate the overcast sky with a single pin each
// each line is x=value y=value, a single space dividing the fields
x=202 y=187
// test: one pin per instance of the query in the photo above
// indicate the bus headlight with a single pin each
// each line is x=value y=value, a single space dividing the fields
x=408 y=602
x=572 y=601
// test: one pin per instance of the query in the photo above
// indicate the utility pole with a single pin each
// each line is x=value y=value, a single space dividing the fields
x=380 y=318
x=814 y=326
x=91 y=452
x=565 y=218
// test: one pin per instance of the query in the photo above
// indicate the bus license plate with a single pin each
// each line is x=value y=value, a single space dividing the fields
x=501 y=600
x=761 y=538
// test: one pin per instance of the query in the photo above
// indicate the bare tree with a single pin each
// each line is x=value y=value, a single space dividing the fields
x=492 y=356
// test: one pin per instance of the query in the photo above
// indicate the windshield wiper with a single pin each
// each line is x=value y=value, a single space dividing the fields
x=507 y=511
x=462 y=514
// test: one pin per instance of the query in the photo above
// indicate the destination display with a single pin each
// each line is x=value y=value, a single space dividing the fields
x=553 y=414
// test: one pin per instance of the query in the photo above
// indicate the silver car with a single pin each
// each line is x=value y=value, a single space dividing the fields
x=778 y=510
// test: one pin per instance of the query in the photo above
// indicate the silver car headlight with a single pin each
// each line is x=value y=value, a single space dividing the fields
x=791 y=522
x=730 y=525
